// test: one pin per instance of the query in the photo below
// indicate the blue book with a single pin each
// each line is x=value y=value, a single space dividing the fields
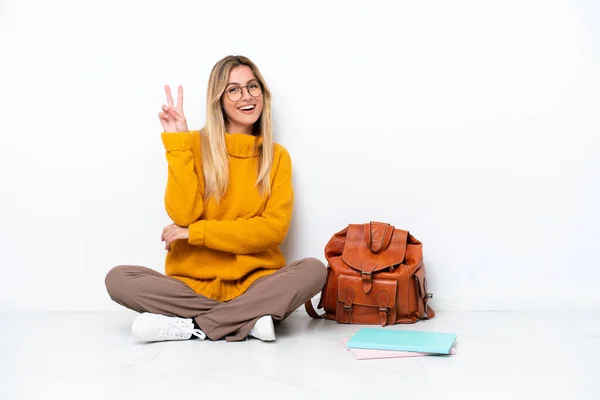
x=390 y=339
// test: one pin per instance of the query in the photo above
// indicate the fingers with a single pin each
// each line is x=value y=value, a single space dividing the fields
x=165 y=112
x=172 y=233
x=169 y=97
x=164 y=117
x=170 y=112
x=163 y=235
x=169 y=239
x=178 y=117
x=169 y=235
x=166 y=231
x=179 y=106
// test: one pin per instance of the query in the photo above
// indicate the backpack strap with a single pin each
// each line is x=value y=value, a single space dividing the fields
x=311 y=310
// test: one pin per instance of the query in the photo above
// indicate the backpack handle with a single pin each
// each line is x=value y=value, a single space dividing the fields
x=386 y=238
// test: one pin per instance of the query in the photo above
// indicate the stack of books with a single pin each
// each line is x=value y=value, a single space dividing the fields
x=370 y=343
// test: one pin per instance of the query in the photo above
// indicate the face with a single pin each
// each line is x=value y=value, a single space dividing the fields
x=242 y=101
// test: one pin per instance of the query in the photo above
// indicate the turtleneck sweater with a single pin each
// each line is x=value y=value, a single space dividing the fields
x=235 y=241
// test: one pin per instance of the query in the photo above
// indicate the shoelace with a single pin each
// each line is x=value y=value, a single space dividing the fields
x=181 y=328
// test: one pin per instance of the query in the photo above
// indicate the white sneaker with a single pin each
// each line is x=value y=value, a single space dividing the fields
x=150 y=327
x=263 y=329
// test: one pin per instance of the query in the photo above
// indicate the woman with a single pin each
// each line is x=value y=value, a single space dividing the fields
x=229 y=194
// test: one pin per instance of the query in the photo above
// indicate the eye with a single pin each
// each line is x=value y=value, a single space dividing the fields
x=253 y=86
x=233 y=89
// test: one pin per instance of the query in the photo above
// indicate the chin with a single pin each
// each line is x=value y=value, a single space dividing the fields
x=248 y=119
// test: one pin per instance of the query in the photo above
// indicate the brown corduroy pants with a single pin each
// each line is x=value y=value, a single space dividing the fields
x=279 y=294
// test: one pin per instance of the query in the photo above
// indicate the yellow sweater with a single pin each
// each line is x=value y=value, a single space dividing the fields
x=236 y=241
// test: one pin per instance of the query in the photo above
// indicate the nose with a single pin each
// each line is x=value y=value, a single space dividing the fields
x=246 y=93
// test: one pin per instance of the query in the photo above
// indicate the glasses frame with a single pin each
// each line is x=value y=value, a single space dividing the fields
x=242 y=91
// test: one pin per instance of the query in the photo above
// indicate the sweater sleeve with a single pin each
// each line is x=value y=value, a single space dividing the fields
x=185 y=184
x=252 y=235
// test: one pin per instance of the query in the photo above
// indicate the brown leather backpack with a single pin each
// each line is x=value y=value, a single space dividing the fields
x=375 y=275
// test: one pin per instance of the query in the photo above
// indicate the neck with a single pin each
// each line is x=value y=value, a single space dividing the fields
x=235 y=128
x=243 y=146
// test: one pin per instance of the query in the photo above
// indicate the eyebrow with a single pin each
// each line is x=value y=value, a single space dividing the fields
x=235 y=83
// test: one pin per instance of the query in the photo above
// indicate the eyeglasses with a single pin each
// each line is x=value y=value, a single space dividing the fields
x=235 y=92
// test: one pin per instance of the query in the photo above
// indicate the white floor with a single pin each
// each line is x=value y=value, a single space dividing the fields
x=501 y=355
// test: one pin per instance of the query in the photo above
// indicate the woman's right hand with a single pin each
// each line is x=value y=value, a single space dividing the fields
x=171 y=117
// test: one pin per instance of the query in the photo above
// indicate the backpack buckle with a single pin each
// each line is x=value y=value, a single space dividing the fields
x=366 y=276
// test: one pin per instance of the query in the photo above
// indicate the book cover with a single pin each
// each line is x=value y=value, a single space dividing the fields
x=402 y=340
x=366 y=354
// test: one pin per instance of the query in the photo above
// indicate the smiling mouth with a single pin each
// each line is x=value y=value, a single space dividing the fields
x=247 y=108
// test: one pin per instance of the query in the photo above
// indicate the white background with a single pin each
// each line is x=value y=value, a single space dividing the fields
x=471 y=124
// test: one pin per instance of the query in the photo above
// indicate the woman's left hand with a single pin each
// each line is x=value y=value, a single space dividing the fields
x=172 y=233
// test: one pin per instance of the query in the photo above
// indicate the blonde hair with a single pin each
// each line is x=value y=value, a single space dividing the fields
x=215 y=160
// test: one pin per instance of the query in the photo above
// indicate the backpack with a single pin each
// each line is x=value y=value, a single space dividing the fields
x=375 y=275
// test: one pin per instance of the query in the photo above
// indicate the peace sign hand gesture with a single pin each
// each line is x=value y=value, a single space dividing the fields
x=171 y=117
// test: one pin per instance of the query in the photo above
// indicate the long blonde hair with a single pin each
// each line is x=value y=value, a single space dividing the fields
x=215 y=160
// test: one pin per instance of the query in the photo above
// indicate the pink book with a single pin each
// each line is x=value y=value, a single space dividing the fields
x=365 y=354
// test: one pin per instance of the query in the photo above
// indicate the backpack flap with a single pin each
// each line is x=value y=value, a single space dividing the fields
x=356 y=306
x=373 y=247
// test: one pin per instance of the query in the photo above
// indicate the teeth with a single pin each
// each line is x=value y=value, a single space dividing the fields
x=247 y=108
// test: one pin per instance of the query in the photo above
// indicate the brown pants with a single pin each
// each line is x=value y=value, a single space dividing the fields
x=279 y=294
